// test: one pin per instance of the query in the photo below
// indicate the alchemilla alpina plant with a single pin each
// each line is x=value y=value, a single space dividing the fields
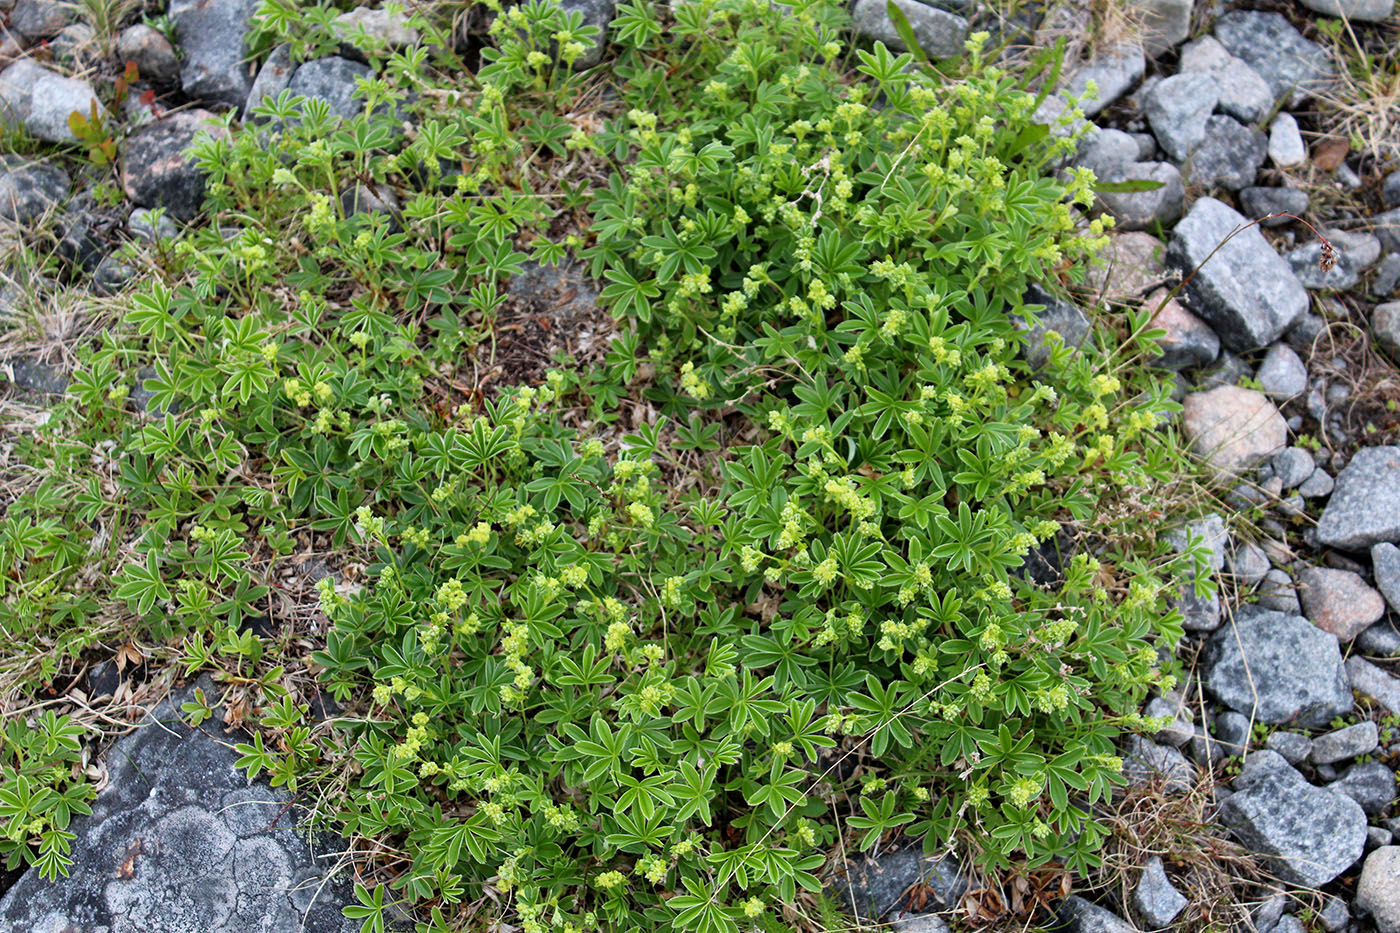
x=621 y=671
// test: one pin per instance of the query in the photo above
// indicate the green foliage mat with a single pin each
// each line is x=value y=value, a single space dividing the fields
x=609 y=678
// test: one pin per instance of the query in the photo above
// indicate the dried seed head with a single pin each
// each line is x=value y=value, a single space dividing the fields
x=1328 y=258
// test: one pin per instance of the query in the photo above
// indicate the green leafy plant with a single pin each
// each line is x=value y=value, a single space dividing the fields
x=41 y=788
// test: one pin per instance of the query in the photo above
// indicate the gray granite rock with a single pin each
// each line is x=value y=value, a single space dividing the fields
x=941 y=34
x=1364 y=11
x=1339 y=601
x=1385 y=567
x=36 y=20
x=1307 y=835
x=153 y=54
x=1232 y=428
x=1282 y=376
x=1147 y=763
x=1179 y=731
x=1318 y=485
x=1248 y=563
x=1380 y=640
x=206 y=850
x=273 y=78
x=1178 y=109
x=1261 y=202
x=1385 y=225
x=1076 y=915
x=1293 y=746
x=1232 y=732
x=1228 y=157
x=1114 y=70
x=1293 y=465
x=1164 y=23
x=1155 y=899
x=1277 y=668
x=905 y=922
x=17 y=90
x=213 y=39
x=1370 y=783
x=1350 y=742
x=1246 y=291
x=1370 y=680
x=1277 y=592
x=29 y=188
x=1188 y=342
x=1286 y=148
x=600 y=13
x=1378 y=888
x=1334 y=915
x=877 y=886
x=157 y=173
x=1352 y=252
x=1060 y=316
x=1209 y=530
x=1294 y=67
x=1244 y=95
x=1365 y=506
x=1142 y=210
x=55 y=99
x=379 y=29
x=1387 y=276
x=332 y=80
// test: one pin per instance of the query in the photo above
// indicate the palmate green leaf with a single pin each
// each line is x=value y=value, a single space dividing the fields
x=141 y=585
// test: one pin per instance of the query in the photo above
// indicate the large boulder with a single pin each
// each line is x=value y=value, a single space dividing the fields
x=179 y=840
x=1277 y=668
x=1242 y=288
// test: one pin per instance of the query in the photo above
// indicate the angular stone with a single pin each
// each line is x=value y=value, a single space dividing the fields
x=1286 y=149
x=1308 y=835
x=1387 y=277
x=941 y=34
x=1147 y=763
x=153 y=54
x=1282 y=376
x=157 y=173
x=1178 y=108
x=1294 y=747
x=273 y=78
x=1277 y=592
x=1365 y=506
x=1277 y=668
x=1077 y=915
x=1164 y=23
x=1386 y=226
x=1370 y=783
x=877 y=886
x=1156 y=901
x=1113 y=71
x=29 y=188
x=213 y=38
x=1350 y=742
x=1229 y=156
x=1128 y=267
x=1385 y=568
x=1363 y=11
x=1294 y=67
x=1261 y=202
x=1141 y=210
x=1380 y=640
x=17 y=90
x=596 y=13
x=1366 y=678
x=35 y=20
x=1339 y=601
x=1378 y=889
x=332 y=80
x=1209 y=531
x=1244 y=95
x=1293 y=466
x=1248 y=563
x=382 y=29
x=1180 y=730
x=1246 y=291
x=1188 y=342
x=1231 y=428
x=1318 y=485
x=195 y=861
x=1060 y=316
x=55 y=99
